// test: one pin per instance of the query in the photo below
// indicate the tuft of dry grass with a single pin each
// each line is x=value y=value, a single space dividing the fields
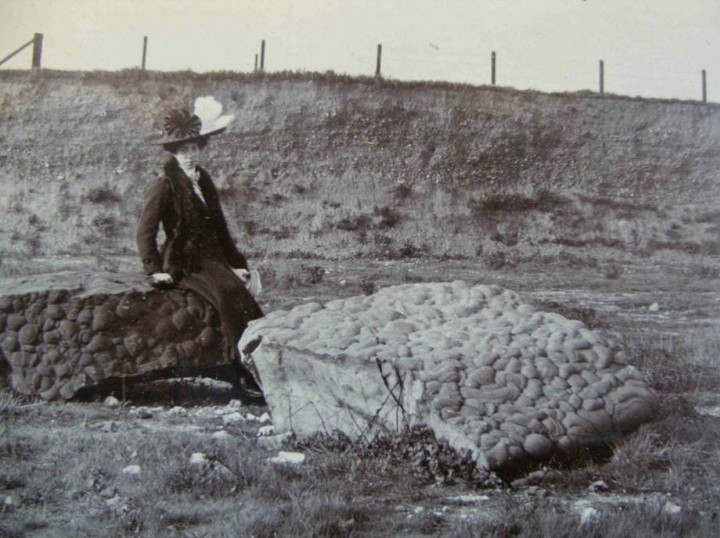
x=676 y=364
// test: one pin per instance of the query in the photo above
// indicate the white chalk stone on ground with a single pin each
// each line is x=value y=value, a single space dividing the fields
x=220 y=434
x=288 y=458
x=274 y=442
x=132 y=470
x=266 y=431
x=483 y=370
x=589 y=515
x=112 y=402
x=141 y=412
x=233 y=418
x=599 y=486
x=198 y=458
x=468 y=499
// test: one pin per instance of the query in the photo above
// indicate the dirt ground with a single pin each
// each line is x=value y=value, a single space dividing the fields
x=87 y=468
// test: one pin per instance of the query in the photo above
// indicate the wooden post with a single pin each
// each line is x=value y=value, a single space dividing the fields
x=256 y=64
x=378 y=62
x=17 y=51
x=492 y=68
x=37 y=51
x=704 y=86
x=262 y=56
x=602 y=77
x=144 y=56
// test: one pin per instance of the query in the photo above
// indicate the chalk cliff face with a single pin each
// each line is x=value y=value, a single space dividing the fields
x=491 y=374
x=340 y=167
x=63 y=332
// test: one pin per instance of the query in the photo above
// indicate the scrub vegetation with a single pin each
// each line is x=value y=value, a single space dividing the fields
x=324 y=165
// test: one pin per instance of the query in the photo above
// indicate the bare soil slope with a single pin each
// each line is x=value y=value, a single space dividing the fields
x=322 y=164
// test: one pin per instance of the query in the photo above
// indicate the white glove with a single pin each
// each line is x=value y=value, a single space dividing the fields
x=161 y=278
x=255 y=285
x=242 y=274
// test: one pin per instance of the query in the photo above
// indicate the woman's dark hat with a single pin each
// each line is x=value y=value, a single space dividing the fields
x=181 y=125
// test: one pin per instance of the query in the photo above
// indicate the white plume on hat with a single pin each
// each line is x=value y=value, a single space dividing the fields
x=209 y=110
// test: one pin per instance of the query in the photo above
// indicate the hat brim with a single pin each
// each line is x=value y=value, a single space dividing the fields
x=168 y=141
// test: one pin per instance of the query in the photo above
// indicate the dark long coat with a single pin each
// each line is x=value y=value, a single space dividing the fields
x=198 y=250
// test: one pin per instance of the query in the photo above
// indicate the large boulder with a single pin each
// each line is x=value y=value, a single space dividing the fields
x=477 y=365
x=63 y=332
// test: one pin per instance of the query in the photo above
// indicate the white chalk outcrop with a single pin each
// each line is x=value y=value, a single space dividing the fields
x=482 y=369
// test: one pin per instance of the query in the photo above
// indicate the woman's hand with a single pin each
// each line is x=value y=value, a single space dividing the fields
x=251 y=279
x=160 y=280
x=242 y=274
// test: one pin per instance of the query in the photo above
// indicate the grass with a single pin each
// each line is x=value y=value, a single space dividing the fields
x=543 y=200
x=63 y=464
x=684 y=364
x=627 y=522
x=237 y=488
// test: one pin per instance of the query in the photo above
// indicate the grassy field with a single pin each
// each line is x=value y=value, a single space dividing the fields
x=68 y=469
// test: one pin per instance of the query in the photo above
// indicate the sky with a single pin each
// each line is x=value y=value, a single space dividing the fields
x=650 y=48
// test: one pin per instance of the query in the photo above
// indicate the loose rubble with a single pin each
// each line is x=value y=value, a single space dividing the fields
x=132 y=470
x=288 y=458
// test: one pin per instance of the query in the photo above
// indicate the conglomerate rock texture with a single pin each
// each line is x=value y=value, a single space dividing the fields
x=482 y=369
x=62 y=332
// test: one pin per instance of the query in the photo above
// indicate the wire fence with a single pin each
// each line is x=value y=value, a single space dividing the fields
x=433 y=63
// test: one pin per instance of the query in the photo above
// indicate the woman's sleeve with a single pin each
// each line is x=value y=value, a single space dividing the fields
x=149 y=226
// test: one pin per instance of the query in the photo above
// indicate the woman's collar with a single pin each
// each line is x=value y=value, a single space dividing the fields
x=172 y=167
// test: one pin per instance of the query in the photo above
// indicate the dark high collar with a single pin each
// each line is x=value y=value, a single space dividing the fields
x=172 y=168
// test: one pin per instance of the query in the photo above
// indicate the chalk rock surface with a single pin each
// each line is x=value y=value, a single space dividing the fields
x=481 y=368
x=64 y=331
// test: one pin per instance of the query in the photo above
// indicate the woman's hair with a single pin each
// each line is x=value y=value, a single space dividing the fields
x=174 y=147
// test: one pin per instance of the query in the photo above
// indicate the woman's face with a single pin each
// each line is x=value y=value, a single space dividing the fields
x=188 y=155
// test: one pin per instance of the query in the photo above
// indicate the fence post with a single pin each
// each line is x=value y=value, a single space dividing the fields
x=492 y=68
x=37 y=51
x=602 y=77
x=17 y=51
x=262 y=56
x=144 y=56
x=256 y=63
x=378 y=63
x=704 y=86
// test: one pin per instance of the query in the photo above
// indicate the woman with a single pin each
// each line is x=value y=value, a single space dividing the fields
x=199 y=253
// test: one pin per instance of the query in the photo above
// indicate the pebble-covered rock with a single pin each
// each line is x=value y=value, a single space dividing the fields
x=62 y=332
x=483 y=369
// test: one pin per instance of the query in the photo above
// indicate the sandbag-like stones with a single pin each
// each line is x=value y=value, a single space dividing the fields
x=65 y=331
x=489 y=373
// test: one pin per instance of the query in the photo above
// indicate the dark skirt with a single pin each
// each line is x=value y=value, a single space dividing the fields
x=220 y=286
